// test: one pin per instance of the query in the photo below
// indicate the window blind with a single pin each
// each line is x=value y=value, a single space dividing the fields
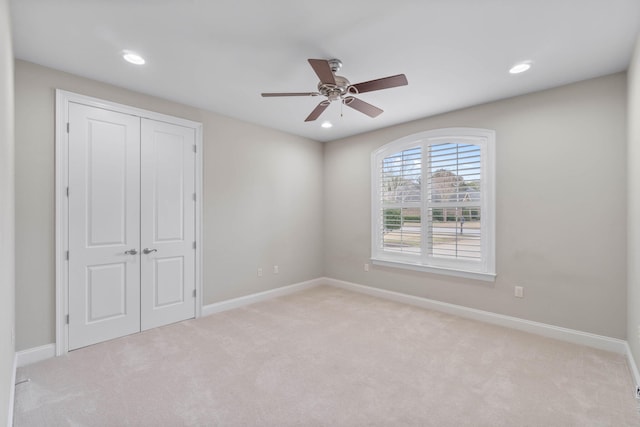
x=454 y=198
x=433 y=203
x=401 y=200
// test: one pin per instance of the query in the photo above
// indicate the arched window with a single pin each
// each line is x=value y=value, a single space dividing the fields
x=433 y=203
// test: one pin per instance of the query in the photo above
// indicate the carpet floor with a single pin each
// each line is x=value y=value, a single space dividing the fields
x=329 y=357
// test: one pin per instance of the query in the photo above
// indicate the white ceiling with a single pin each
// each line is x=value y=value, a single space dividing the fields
x=220 y=55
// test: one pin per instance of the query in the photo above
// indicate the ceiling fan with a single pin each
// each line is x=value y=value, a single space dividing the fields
x=338 y=88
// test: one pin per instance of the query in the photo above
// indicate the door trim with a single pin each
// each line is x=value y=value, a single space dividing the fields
x=63 y=98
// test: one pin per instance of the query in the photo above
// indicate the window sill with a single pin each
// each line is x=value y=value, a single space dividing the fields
x=487 y=277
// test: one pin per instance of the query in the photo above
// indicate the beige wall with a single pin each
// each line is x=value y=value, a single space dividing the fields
x=633 y=200
x=262 y=199
x=7 y=283
x=561 y=204
x=273 y=198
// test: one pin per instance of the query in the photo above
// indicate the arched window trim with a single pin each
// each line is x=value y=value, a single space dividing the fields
x=483 y=269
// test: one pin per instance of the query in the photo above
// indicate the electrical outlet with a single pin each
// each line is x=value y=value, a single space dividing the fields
x=366 y=267
x=519 y=292
x=276 y=270
x=259 y=272
x=637 y=392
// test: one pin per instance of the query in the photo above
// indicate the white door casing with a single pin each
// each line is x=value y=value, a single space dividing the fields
x=104 y=223
x=96 y=262
x=167 y=201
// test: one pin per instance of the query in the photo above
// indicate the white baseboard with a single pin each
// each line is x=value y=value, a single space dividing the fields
x=12 y=391
x=36 y=354
x=615 y=345
x=564 y=334
x=633 y=367
x=260 y=296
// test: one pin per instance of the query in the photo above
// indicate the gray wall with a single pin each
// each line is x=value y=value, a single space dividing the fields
x=262 y=199
x=633 y=213
x=561 y=208
x=7 y=283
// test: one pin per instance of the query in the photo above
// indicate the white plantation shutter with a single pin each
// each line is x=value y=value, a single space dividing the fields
x=433 y=203
x=454 y=200
x=401 y=201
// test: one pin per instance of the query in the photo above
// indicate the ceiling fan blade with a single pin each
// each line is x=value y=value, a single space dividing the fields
x=317 y=111
x=323 y=70
x=363 y=107
x=266 y=95
x=383 y=83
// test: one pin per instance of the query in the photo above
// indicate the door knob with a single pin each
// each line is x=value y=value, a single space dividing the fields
x=148 y=251
x=131 y=252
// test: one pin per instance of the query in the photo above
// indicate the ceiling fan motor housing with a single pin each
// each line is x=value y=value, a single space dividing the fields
x=337 y=91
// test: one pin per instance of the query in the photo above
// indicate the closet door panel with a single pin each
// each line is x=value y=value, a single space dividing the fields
x=104 y=225
x=167 y=223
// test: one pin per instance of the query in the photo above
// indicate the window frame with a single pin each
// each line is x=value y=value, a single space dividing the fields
x=480 y=270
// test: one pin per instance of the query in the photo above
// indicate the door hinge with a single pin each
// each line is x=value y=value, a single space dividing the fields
x=67 y=255
x=67 y=319
x=195 y=149
x=194 y=197
x=67 y=127
x=194 y=245
x=194 y=293
x=67 y=191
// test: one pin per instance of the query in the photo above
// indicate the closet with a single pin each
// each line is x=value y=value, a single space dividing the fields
x=131 y=232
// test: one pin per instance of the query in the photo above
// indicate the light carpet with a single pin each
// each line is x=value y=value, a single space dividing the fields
x=329 y=357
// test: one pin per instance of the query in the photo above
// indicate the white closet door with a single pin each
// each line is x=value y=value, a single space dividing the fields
x=104 y=225
x=167 y=206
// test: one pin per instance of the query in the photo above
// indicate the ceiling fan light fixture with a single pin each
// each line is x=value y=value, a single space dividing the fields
x=520 y=67
x=133 y=57
x=326 y=125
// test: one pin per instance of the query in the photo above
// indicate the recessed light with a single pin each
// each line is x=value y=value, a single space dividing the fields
x=133 y=57
x=326 y=125
x=520 y=68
